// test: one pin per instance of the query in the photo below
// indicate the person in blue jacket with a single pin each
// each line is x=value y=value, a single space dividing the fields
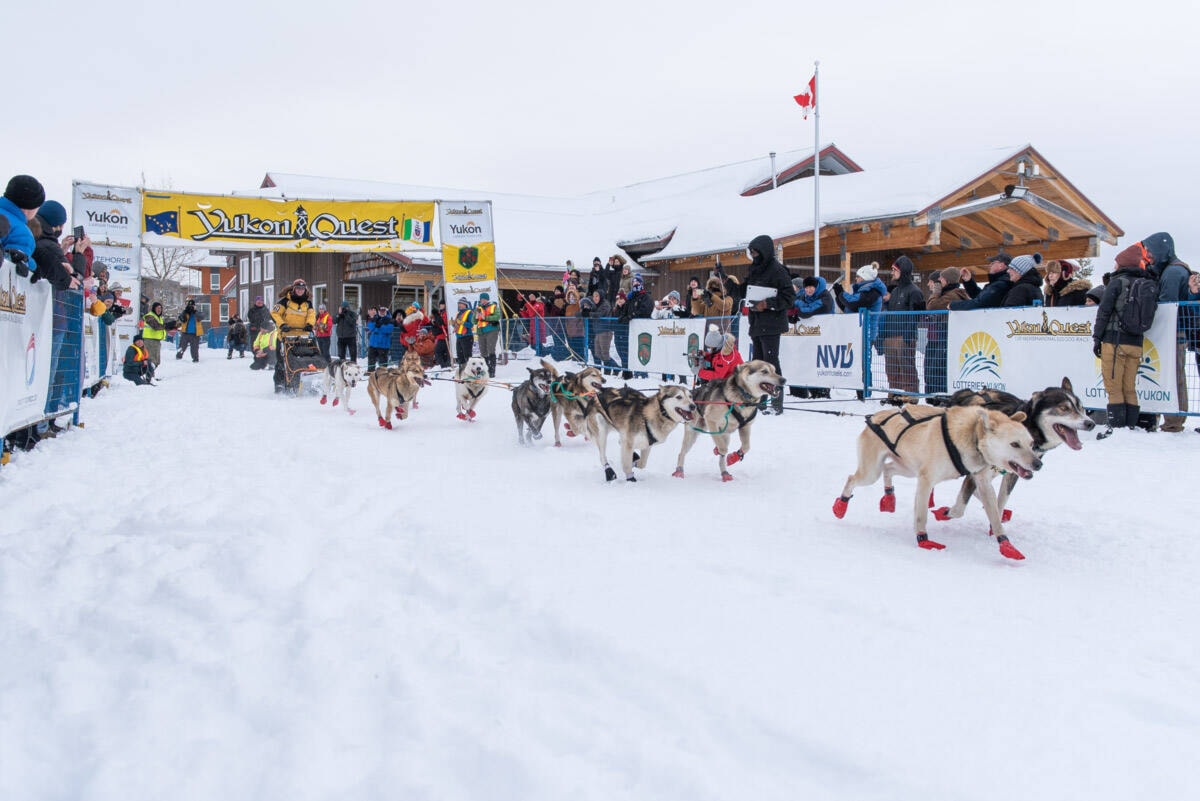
x=379 y=337
x=23 y=197
x=812 y=298
x=991 y=296
x=866 y=293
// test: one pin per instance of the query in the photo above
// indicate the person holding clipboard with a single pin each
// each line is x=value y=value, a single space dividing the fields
x=769 y=294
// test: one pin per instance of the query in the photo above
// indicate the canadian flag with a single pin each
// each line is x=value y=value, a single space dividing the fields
x=808 y=100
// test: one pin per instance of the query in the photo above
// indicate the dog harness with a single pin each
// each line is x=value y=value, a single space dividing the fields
x=877 y=429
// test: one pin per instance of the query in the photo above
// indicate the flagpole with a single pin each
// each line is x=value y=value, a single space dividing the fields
x=816 y=169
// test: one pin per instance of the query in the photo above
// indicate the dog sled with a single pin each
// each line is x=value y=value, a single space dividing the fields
x=298 y=356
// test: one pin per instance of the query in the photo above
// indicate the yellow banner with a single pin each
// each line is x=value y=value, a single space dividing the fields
x=466 y=264
x=175 y=218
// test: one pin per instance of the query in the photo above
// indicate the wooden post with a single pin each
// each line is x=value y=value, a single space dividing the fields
x=846 y=269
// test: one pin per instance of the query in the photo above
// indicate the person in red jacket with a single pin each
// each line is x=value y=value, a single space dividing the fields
x=323 y=329
x=719 y=364
x=534 y=310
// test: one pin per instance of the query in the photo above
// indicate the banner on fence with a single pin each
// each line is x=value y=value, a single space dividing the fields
x=26 y=325
x=177 y=219
x=823 y=351
x=468 y=253
x=1028 y=349
x=662 y=346
x=111 y=217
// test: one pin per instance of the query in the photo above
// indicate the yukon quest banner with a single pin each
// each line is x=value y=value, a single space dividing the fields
x=1028 y=349
x=26 y=317
x=662 y=346
x=208 y=221
x=111 y=216
x=468 y=246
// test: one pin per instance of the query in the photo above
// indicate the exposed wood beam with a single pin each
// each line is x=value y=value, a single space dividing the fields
x=977 y=258
x=977 y=229
x=1019 y=223
x=1068 y=216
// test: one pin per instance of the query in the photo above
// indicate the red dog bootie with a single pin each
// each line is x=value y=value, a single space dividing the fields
x=335 y=401
x=1007 y=549
x=735 y=457
x=323 y=399
x=923 y=541
x=888 y=502
x=840 y=506
x=941 y=513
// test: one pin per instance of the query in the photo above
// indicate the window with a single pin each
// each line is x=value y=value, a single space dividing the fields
x=353 y=294
x=320 y=295
x=255 y=270
x=204 y=310
x=244 y=270
x=214 y=280
x=224 y=312
x=268 y=295
x=269 y=267
x=243 y=302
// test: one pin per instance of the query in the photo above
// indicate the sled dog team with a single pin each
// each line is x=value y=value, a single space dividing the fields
x=976 y=436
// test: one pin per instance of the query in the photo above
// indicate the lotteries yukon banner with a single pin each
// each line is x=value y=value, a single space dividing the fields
x=211 y=221
x=1028 y=349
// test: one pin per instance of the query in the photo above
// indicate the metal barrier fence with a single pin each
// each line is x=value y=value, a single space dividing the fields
x=66 y=360
x=905 y=353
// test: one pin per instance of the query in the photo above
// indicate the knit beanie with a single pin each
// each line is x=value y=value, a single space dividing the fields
x=811 y=281
x=53 y=212
x=484 y=296
x=463 y=302
x=868 y=271
x=1023 y=264
x=674 y=293
x=951 y=275
x=1133 y=256
x=25 y=192
x=1096 y=293
x=713 y=338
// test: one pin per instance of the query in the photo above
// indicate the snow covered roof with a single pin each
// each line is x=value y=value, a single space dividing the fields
x=696 y=213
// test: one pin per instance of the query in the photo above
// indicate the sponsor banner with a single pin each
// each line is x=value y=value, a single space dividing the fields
x=823 y=351
x=210 y=221
x=662 y=346
x=26 y=324
x=1028 y=349
x=468 y=246
x=471 y=291
x=466 y=264
x=112 y=218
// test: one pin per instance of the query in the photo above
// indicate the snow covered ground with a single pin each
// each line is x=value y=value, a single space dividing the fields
x=210 y=592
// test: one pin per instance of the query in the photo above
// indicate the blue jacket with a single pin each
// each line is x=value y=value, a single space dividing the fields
x=853 y=299
x=379 y=334
x=819 y=303
x=990 y=297
x=19 y=236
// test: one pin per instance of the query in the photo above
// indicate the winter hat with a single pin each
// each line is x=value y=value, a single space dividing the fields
x=637 y=282
x=595 y=260
x=53 y=212
x=484 y=296
x=257 y=298
x=798 y=283
x=1133 y=256
x=345 y=304
x=1096 y=293
x=321 y=307
x=1023 y=264
x=1003 y=258
x=713 y=338
x=463 y=302
x=674 y=293
x=25 y=192
x=137 y=335
x=812 y=281
x=621 y=295
x=868 y=271
x=904 y=265
x=951 y=275
x=1067 y=268
x=416 y=305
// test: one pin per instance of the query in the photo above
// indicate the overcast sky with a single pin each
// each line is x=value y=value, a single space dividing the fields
x=566 y=98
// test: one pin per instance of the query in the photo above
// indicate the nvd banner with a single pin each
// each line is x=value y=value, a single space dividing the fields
x=1028 y=349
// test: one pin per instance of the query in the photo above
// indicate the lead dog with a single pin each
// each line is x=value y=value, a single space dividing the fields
x=470 y=386
x=641 y=421
x=341 y=376
x=531 y=402
x=727 y=405
x=398 y=387
x=1052 y=417
x=938 y=445
x=572 y=398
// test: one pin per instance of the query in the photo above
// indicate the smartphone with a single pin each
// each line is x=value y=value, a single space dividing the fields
x=78 y=232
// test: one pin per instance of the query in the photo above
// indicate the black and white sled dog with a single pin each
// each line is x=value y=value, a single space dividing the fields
x=341 y=376
x=641 y=421
x=1053 y=417
x=471 y=379
x=531 y=402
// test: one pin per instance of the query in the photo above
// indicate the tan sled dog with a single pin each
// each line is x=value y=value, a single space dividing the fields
x=470 y=386
x=727 y=405
x=572 y=397
x=640 y=421
x=936 y=445
x=398 y=387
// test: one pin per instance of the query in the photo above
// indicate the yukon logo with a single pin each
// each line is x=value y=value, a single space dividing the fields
x=465 y=229
x=839 y=357
x=468 y=257
x=111 y=217
x=644 y=342
x=979 y=363
x=1049 y=328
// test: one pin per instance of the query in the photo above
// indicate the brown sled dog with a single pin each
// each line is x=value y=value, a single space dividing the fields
x=571 y=398
x=936 y=445
x=398 y=387
x=727 y=405
x=640 y=421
